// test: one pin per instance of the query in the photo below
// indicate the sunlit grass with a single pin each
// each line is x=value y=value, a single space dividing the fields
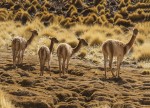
x=4 y=102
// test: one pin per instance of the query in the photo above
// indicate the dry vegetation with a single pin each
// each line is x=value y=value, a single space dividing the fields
x=4 y=102
x=93 y=20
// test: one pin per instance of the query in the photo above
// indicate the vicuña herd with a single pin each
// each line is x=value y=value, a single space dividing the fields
x=110 y=48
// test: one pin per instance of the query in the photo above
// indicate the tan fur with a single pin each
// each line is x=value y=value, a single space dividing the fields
x=65 y=51
x=19 y=44
x=115 y=48
x=45 y=55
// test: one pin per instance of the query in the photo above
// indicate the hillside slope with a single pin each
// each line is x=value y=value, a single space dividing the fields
x=84 y=86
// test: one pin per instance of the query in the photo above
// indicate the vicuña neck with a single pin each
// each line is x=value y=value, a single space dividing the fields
x=30 y=40
x=51 y=46
x=77 y=48
x=130 y=43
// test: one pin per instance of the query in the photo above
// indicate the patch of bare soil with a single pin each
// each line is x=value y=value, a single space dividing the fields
x=83 y=86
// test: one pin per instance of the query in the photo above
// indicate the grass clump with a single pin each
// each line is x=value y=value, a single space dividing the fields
x=137 y=16
x=126 y=23
x=3 y=14
x=117 y=16
x=82 y=54
x=71 y=11
x=32 y=10
x=48 y=17
x=22 y=16
x=90 y=19
x=144 y=57
x=4 y=102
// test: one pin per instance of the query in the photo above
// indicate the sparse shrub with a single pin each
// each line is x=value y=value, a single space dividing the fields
x=136 y=16
x=17 y=16
x=35 y=2
x=67 y=23
x=72 y=43
x=64 y=21
x=103 y=18
x=27 y=4
x=111 y=20
x=124 y=12
x=96 y=2
x=25 y=17
x=109 y=34
x=4 y=102
x=99 y=21
x=102 y=12
x=144 y=57
x=47 y=5
x=117 y=16
x=79 y=4
x=8 y=4
x=17 y=7
x=22 y=16
x=38 y=7
x=90 y=19
x=122 y=4
x=82 y=53
x=3 y=14
x=48 y=17
x=71 y=11
x=95 y=41
x=43 y=8
x=126 y=23
x=100 y=7
x=140 y=40
x=89 y=10
x=131 y=8
x=79 y=32
x=32 y=10
x=38 y=15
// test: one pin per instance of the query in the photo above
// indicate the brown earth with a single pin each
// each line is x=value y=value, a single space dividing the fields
x=83 y=87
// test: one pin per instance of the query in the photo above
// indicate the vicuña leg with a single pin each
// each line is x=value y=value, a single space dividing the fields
x=49 y=67
x=67 y=64
x=60 y=67
x=63 y=66
x=14 y=58
x=110 y=65
x=119 y=60
x=105 y=62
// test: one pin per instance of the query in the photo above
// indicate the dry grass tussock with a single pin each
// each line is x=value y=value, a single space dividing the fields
x=95 y=35
x=4 y=102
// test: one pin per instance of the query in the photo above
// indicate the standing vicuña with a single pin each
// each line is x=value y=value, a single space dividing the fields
x=45 y=54
x=111 y=48
x=19 y=45
x=65 y=51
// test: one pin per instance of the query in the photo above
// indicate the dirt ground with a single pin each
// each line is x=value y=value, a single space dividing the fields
x=83 y=87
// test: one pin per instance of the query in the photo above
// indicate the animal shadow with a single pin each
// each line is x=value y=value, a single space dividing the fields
x=119 y=80
x=23 y=66
x=27 y=67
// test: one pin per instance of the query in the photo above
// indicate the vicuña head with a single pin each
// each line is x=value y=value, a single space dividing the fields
x=53 y=39
x=83 y=41
x=34 y=32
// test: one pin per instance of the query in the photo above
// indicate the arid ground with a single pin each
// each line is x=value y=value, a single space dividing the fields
x=83 y=87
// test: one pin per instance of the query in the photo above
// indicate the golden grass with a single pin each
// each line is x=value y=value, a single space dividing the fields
x=95 y=36
x=142 y=53
x=4 y=102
